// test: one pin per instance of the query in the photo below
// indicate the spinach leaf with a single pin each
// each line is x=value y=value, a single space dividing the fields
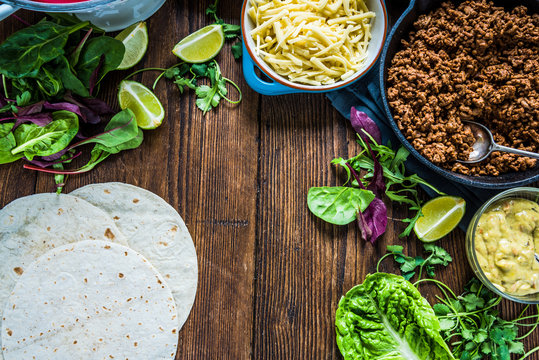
x=110 y=49
x=121 y=128
x=34 y=140
x=24 y=52
x=128 y=145
x=387 y=318
x=338 y=205
x=7 y=142
x=61 y=67
x=49 y=84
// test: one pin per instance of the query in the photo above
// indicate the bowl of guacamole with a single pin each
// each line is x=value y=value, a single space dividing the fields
x=502 y=244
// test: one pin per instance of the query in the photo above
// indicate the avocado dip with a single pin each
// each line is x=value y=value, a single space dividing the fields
x=506 y=240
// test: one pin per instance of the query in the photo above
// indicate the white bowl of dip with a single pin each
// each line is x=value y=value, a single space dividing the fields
x=502 y=241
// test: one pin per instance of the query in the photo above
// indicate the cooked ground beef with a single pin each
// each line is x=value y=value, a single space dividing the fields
x=473 y=62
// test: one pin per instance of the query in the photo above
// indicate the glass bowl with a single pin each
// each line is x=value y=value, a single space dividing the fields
x=528 y=193
x=109 y=15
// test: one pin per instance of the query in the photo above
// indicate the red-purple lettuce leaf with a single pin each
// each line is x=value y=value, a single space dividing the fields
x=361 y=121
x=372 y=222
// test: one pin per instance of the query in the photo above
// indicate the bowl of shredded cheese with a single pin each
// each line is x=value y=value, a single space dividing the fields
x=310 y=45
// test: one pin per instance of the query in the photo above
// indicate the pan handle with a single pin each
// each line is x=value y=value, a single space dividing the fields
x=6 y=10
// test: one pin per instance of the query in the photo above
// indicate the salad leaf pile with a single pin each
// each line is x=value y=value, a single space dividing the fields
x=387 y=318
x=384 y=176
x=50 y=72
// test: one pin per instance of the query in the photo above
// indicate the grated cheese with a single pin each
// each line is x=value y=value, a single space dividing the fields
x=314 y=42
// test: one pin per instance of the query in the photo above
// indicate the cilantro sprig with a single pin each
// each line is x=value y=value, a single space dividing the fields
x=232 y=31
x=474 y=326
x=189 y=76
x=409 y=265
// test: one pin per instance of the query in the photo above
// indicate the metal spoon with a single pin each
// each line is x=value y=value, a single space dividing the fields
x=484 y=145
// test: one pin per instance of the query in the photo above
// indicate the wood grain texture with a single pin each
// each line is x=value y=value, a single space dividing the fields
x=270 y=273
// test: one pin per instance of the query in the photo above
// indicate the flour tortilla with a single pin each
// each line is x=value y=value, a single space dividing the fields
x=154 y=229
x=32 y=225
x=90 y=300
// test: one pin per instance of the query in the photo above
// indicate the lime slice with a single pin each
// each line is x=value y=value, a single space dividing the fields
x=202 y=45
x=440 y=216
x=135 y=39
x=142 y=102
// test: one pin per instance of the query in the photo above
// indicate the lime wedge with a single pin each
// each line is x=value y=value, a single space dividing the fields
x=440 y=216
x=142 y=102
x=202 y=45
x=135 y=39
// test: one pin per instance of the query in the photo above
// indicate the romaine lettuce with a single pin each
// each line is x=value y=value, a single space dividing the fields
x=387 y=318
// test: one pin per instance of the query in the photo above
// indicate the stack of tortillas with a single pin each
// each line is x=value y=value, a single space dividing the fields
x=107 y=272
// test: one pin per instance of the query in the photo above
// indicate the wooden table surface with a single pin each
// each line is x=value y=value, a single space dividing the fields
x=270 y=273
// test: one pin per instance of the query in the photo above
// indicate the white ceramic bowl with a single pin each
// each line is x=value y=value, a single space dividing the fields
x=280 y=84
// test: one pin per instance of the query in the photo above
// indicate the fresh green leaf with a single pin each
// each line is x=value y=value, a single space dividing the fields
x=23 y=99
x=7 y=143
x=338 y=205
x=199 y=69
x=441 y=309
x=447 y=324
x=395 y=249
x=61 y=67
x=237 y=50
x=120 y=129
x=34 y=140
x=112 y=51
x=49 y=84
x=373 y=322
x=25 y=51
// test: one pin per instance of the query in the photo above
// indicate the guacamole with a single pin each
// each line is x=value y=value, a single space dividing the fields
x=506 y=241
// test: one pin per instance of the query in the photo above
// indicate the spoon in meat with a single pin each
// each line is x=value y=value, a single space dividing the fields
x=484 y=145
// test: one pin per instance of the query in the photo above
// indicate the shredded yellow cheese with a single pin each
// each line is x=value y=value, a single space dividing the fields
x=313 y=42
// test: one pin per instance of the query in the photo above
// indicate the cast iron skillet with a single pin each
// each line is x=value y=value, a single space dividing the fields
x=393 y=44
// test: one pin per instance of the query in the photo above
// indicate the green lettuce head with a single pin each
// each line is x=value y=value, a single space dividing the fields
x=387 y=318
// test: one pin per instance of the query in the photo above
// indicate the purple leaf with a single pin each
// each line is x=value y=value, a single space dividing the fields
x=361 y=121
x=373 y=221
x=62 y=106
x=47 y=161
x=3 y=101
x=30 y=109
x=98 y=106
x=95 y=74
x=90 y=108
x=377 y=184
x=375 y=216
x=364 y=228
x=41 y=119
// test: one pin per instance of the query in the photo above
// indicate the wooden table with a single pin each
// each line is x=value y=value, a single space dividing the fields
x=270 y=273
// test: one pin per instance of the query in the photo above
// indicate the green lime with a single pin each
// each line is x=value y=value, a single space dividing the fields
x=135 y=39
x=440 y=216
x=202 y=45
x=142 y=102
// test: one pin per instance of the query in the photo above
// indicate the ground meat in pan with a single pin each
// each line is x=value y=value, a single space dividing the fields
x=473 y=62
